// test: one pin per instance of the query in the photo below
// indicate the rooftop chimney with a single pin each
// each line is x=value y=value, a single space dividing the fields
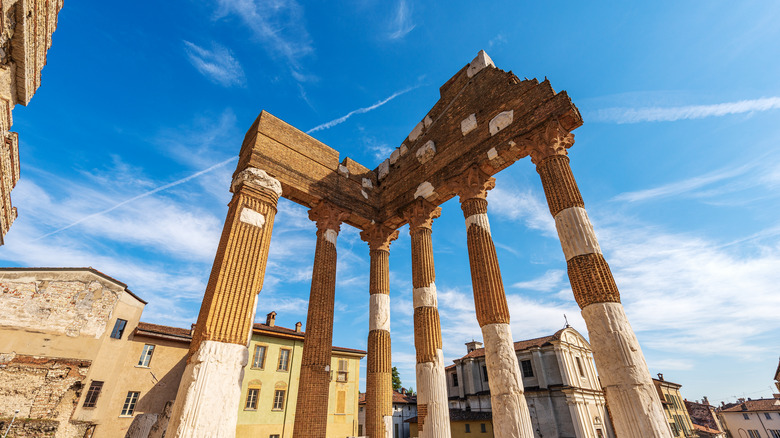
x=298 y=327
x=660 y=376
x=704 y=400
x=473 y=345
x=270 y=320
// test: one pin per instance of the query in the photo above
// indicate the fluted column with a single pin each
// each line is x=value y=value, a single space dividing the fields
x=511 y=418
x=210 y=389
x=311 y=412
x=433 y=416
x=379 y=375
x=633 y=401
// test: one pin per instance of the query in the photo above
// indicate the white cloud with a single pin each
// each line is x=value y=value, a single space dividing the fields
x=217 y=64
x=547 y=282
x=402 y=22
x=684 y=186
x=523 y=206
x=671 y=114
x=344 y=118
x=280 y=27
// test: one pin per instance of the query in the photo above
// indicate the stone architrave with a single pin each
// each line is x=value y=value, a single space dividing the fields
x=511 y=417
x=433 y=417
x=379 y=380
x=632 y=398
x=311 y=411
x=210 y=389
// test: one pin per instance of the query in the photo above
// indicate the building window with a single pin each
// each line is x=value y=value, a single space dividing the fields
x=146 y=355
x=360 y=430
x=284 y=360
x=129 y=407
x=258 y=360
x=768 y=417
x=276 y=435
x=579 y=366
x=395 y=428
x=484 y=372
x=92 y=394
x=528 y=371
x=746 y=416
x=343 y=368
x=119 y=328
x=251 y=399
x=468 y=428
x=675 y=431
x=482 y=428
x=341 y=402
x=775 y=433
x=754 y=434
x=278 y=400
x=455 y=379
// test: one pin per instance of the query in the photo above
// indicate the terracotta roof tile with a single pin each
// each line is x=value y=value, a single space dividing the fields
x=301 y=334
x=164 y=330
x=761 y=404
x=397 y=398
x=520 y=345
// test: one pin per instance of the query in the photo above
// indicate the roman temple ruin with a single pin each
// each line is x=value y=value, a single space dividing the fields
x=485 y=120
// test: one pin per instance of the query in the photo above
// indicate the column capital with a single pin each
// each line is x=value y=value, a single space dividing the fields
x=473 y=183
x=257 y=179
x=549 y=140
x=379 y=237
x=327 y=216
x=421 y=214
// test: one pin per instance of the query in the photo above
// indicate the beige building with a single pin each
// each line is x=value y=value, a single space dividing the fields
x=404 y=409
x=26 y=28
x=75 y=359
x=758 y=418
x=674 y=407
x=562 y=388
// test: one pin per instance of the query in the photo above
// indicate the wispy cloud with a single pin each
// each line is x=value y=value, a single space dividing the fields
x=344 y=118
x=670 y=114
x=523 y=206
x=217 y=64
x=498 y=40
x=550 y=280
x=402 y=23
x=280 y=27
x=684 y=186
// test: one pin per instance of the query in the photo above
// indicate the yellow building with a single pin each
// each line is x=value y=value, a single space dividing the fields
x=674 y=407
x=464 y=424
x=270 y=386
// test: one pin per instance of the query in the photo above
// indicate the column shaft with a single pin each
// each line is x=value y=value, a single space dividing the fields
x=511 y=417
x=311 y=412
x=209 y=392
x=379 y=382
x=433 y=418
x=634 y=403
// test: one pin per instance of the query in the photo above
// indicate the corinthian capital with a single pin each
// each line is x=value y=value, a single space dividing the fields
x=379 y=237
x=551 y=139
x=473 y=183
x=327 y=216
x=421 y=214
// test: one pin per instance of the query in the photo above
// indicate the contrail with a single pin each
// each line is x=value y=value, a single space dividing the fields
x=142 y=195
x=671 y=114
x=344 y=118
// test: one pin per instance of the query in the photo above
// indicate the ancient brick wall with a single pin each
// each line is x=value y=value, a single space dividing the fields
x=63 y=305
x=41 y=388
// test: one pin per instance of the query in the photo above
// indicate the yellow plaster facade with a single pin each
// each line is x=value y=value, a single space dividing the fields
x=674 y=408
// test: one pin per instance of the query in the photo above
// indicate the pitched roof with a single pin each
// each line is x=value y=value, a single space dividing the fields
x=520 y=345
x=164 y=332
x=398 y=398
x=761 y=404
x=706 y=429
x=291 y=333
x=777 y=373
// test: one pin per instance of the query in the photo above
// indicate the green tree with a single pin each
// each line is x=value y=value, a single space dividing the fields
x=396 y=380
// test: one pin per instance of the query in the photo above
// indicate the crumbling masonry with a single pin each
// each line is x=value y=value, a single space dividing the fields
x=485 y=120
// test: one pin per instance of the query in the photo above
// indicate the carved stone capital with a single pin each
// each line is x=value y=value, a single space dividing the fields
x=379 y=237
x=421 y=214
x=327 y=216
x=551 y=139
x=254 y=177
x=473 y=183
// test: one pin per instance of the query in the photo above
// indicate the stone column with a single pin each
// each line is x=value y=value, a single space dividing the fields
x=379 y=378
x=311 y=411
x=633 y=401
x=433 y=414
x=210 y=389
x=511 y=417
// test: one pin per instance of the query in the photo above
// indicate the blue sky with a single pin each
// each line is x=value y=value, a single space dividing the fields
x=128 y=147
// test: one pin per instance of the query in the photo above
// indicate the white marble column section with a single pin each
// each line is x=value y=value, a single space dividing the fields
x=213 y=373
